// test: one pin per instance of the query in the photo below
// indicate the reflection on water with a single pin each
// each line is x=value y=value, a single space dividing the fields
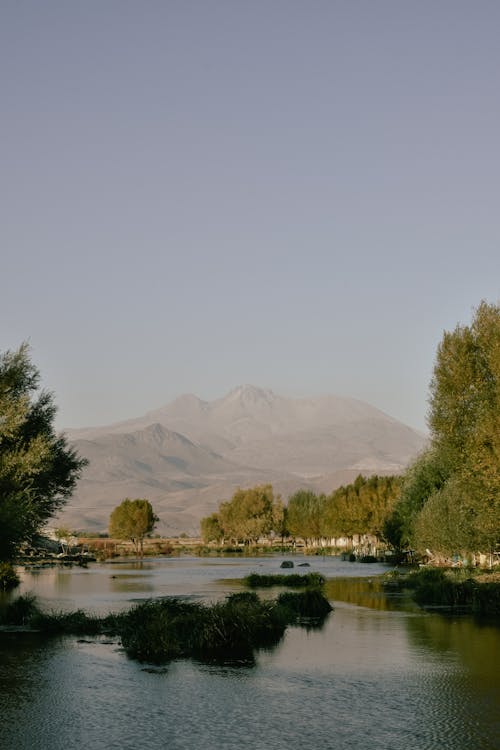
x=374 y=676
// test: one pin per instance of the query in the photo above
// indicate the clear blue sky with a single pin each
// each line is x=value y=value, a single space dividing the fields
x=201 y=193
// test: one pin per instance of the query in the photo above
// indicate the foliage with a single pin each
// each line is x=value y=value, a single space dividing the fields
x=305 y=515
x=427 y=475
x=20 y=611
x=8 y=577
x=160 y=630
x=309 y=603
x=134 y=520
x=293 y=580
x=450 y=500
x=362 y=507
x=38 y=470
x=250 y=514
x=211 y=530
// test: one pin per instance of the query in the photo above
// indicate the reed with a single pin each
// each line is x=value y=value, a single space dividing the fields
x=292 y=580
x=160 y=630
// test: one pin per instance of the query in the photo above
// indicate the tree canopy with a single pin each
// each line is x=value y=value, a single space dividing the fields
x=250 y=514
x=450 y=500
x=358 y=508
x=133 y=520
x=38 y=469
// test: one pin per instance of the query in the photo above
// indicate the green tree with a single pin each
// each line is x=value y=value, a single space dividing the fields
x=306 y=515
x=451 y=495
x=133 y=520
x=251 y=514
x=211 y=530
x=38 y=469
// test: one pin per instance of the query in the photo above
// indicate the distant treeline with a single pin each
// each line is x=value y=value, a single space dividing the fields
x=360 y=508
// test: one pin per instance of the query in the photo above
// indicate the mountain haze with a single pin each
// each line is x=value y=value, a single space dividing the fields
x=189 y=455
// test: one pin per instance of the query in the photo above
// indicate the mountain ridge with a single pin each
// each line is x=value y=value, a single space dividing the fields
x=185 y=454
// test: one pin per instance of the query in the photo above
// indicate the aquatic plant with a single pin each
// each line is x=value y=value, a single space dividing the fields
x=310 y=603
x=292 y=580
x=8 y=577
x=20 y=611
x=160 y=630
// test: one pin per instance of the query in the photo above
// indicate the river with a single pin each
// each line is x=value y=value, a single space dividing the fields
x=380 y=674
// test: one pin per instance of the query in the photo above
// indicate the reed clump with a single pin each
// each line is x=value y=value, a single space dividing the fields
x=310 y=603
x=158 y=631
x=460 y=588
x=291 y=580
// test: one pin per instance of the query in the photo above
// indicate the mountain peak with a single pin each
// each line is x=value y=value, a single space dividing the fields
x=249 y=395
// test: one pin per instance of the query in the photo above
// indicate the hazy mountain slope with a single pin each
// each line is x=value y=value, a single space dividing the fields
x=190 y=454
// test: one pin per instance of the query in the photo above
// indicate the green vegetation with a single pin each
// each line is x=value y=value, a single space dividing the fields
x=452 y=588
x=310 y=603
x=450 y=497
x=133 y=520
x=160 y=630
x=362 y=507
x=293 y=580
x=250 y=514
x=8 y=577
x=38 y=470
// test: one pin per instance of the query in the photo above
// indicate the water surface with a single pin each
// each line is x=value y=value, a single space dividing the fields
x=377 y=675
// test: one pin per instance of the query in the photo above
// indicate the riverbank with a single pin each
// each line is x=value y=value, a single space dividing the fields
x=476 y=592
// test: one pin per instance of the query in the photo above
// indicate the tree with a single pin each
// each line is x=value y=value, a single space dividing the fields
x=451 y=495
x=38 y=469
x=133 y=520
x=305 y=515
x=250 y=514
x=66 y=537
x=211 y=530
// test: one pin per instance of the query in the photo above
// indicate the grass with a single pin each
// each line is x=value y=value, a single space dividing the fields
x=160 y=630
x=474 y=591
x=8 y=577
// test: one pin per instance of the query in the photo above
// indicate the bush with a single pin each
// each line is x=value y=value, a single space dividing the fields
x=308 y=603
x=66 y=623
x=8 y=577
x=20 y=611
x=160 y=630
x=234 y=629
x=157 y=631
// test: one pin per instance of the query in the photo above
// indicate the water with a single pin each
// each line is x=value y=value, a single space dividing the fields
x=377 y=676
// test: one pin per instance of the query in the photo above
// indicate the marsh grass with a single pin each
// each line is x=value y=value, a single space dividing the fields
x=310 y=603
x=8 y=577
x=157 y=631
x=20 y=611
x=291 y=580
x=457 y=588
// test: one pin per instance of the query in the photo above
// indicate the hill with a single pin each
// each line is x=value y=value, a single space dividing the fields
x=190 y=454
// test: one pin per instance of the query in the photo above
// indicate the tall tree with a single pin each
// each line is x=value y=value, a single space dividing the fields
x=133 y=520
x=38 y=469
x=451 y=495
x=211 y=530
x=250 y=514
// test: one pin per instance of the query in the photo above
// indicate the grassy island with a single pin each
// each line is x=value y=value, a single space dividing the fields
x=160 y=630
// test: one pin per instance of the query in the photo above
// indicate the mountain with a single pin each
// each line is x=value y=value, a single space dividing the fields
x=190 y=454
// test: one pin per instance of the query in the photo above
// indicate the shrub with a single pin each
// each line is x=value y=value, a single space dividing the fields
x=20 y=611
x=157 y=631
x=8 y=577
x=308 y=603
x=233 y=629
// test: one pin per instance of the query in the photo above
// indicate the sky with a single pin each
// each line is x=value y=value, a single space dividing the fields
x=197 y=194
